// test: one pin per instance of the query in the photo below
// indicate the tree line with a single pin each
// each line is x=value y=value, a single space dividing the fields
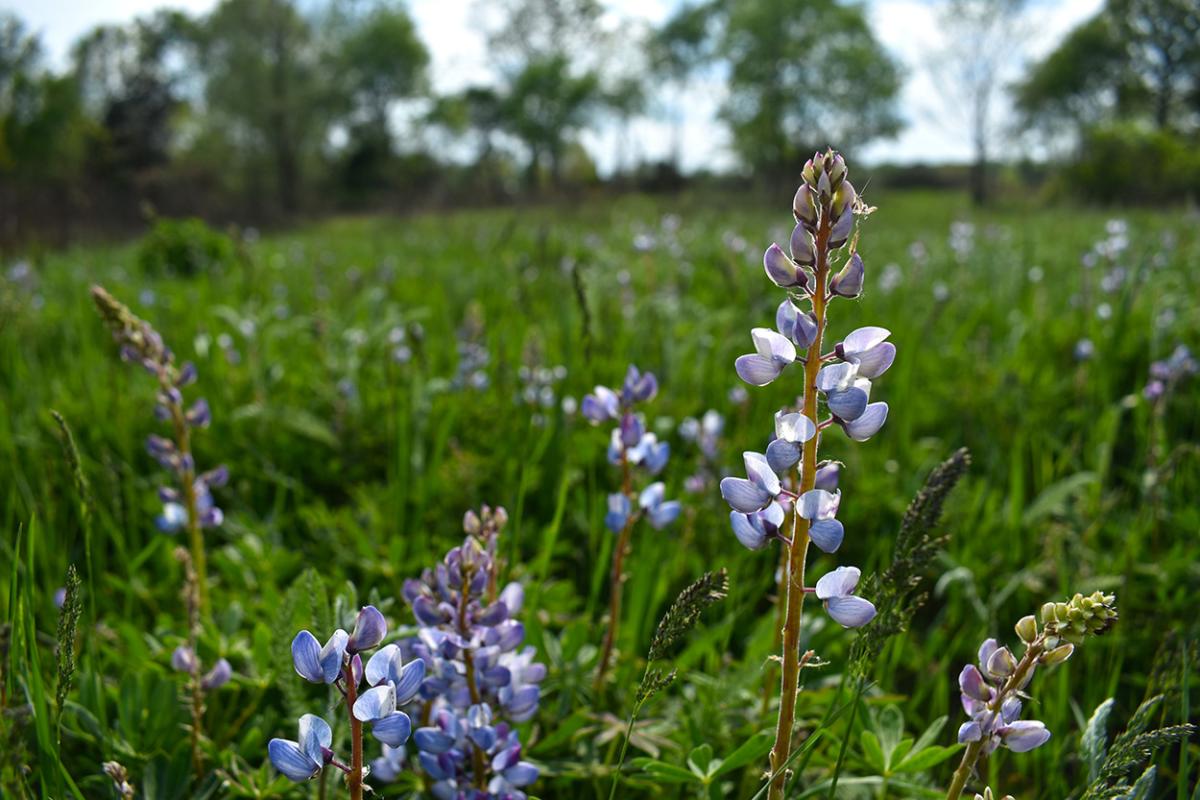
x=263 y=109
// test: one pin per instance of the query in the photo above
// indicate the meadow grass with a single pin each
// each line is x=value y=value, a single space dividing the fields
x=350 y=471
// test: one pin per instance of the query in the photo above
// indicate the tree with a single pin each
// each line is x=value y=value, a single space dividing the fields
x=544 y=105
x=981 y=44
x=265 y=91
x=679 y=50
x=1136 y=59
x=803 y=76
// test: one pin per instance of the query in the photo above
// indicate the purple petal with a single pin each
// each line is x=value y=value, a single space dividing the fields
x=850 y=612
x=794 y=427
x=985 y=652
x=757 y=370
x=758 y=470
x=971 y=682
x=969 y=732
x=664 y=514
x=866 y=426
x=827 y=534
x=432 y=740
x=750 y=535
x=393 y=729
x=773 y=345
x=291 y=761
x=848 y=404
x=875 y=362
x=802 y=246
x=369 y=629
x=315 y=737
x=780 y=269
x=218 y=676
x=836 y=376
x=819 y=504
x=782 y=455
x=521 y=774
x=652 y=495
x=306 y=657
x=379 y=666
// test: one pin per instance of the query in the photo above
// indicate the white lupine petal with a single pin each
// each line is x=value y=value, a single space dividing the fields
x=863 y=339
x=839 y=583
x=291 y=760
x=379 y=666
x=771 y=344
x=652 y=495
x=794 y=427
x=819 y=504
x=315 y=734
x=1023 y=736
x=836 y=376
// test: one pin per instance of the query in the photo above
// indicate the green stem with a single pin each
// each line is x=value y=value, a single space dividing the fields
x=798 y=550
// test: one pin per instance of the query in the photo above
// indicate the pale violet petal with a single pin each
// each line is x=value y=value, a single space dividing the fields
x=850 y=612
x=868 y=424
x=794 y=427
x=394 y=729
x=827 y=534
x=847 y=404
x=750 y=535
x=757 y=370
x=836 y=376
x=839 y=583
x=652 y=495
x=758 y=469
x=876 y=361
x=292 y=762
x=743 y=495
x=664 y=514
x=1023 y=736
x=306 y=657
x=862 y=339
x=375 y=703
x=379 y=666
x=819 y=504
x=782 y=455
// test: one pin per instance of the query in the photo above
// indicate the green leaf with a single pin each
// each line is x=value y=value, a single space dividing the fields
x=699 y=759
x=891 y=730
x=926 y=758
x=750 y=751
x=899 y=753
x=930 y=735
x=1055 y=499
x=872 y=752
x=1094 y=742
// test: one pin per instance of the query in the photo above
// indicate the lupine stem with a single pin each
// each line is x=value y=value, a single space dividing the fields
x=354 y=778
x=1014 y=682
x=793 y=597
x=617 y=578
x=187 y=477
x=477 y=760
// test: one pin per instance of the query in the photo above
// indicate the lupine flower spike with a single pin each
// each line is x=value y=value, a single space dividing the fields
x=993 y=691
x=373 y=695
x=788 y=495
x=478 y=681
x=188 y=503
x=634 y=450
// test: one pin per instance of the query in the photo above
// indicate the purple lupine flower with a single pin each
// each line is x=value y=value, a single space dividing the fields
x=836 y=589
x=773 y=352
x=659 y=511
x=800 y=327
x=218 y=676
x=754 y=492
x=757 y=528
x=828 y=473
x=979 y=694
x=302 y=760
x=791 y=432
x=315 y=663
x=619 y=508
x=820 y=507
x=369 y=630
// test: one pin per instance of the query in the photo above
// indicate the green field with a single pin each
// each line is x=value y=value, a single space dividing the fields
x=351 y=465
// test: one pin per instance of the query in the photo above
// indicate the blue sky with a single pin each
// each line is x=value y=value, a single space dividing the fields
x=450 y=28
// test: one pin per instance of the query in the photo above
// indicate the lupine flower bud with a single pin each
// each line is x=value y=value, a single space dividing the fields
x=849 y=280
x=1074 y=620
x=782 y=271
x=369 y=629
x=804 y=207
x=803 y=248
x=1058 y=654
x=184 y=660
x=800 y=327
x=218 y=676
x=1027 y=629
x=843 y=199
x=1001 y=664
x=471 y=523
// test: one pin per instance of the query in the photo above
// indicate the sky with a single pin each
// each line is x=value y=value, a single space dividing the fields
x=907 y=28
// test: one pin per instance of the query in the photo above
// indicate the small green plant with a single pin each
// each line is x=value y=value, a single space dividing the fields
x=184 y=247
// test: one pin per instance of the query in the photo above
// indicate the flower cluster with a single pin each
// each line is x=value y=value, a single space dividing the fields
x=1167 y=373
x=188 y=504
x=185 y=660
x=993 y=691
x=478 y=679
x=390 y=682
x=824 y=210
x=632 y=446
x=705 y=433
